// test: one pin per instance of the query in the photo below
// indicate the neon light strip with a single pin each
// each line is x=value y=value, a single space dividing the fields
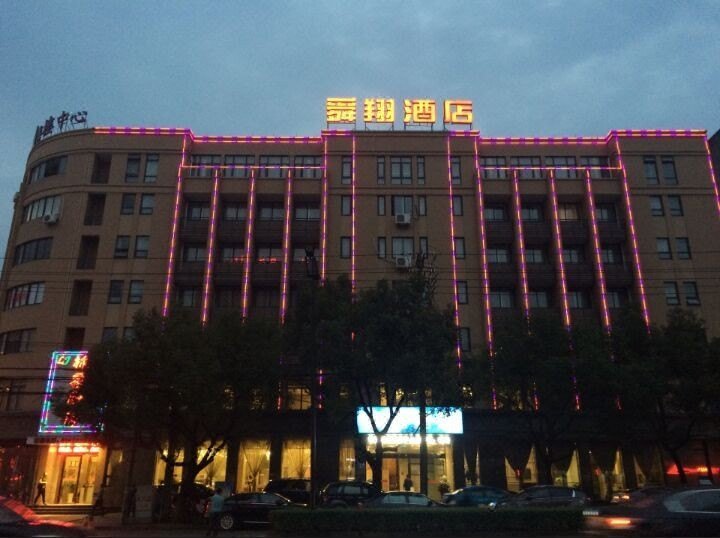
x=249 y=230
x=599 y=270
x=353 y=239
x=456 y=299
x=592 y=140
x=205 y=139
x=174 y=231
x=559 y=250
x=489 y=336
x=286 y=248
x=212 y=227
x=713 y=176
x=517 y=208
x=633 y=237
x=323 y=224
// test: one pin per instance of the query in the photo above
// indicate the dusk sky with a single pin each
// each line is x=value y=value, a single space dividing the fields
x=266 y=67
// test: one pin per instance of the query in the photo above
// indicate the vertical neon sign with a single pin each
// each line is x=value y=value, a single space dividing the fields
x=453 y=256
x=212 y=227
x=286 y=246
x=559 y=249
x=517 y=210
x=249 y=230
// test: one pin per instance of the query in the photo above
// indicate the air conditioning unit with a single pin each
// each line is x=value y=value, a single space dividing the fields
x=403 y=262
x=51 y=218
x=403 y=218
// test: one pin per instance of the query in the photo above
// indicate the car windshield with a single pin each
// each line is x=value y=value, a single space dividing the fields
x=12 y=510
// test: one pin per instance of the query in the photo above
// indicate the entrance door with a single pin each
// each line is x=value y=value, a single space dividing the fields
x=69 y=479
x=86 y=483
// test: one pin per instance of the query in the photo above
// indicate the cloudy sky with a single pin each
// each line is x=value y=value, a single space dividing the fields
x=531 y=68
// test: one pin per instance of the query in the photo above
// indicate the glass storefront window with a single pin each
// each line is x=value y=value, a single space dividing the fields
x=346 y=464
x=296 y=458
x=254 y=471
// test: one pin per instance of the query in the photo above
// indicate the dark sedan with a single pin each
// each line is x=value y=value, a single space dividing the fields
x=691 y=512
x=251 y=509
x=401 y=499
x=476 y=496
x=16 y=519
x=545 y=497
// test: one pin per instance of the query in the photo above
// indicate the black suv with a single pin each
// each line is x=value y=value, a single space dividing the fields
x=345 y=494
x=476 y=496
x=545 y=496
x=295 y=489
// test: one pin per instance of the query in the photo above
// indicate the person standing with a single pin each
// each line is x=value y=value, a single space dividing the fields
x=41 y=485
x=408 y=483
x=214 y=510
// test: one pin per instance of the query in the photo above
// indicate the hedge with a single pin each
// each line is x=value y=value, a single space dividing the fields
x=449 y=521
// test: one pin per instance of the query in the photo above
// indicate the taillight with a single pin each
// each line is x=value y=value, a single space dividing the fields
x=619 y=522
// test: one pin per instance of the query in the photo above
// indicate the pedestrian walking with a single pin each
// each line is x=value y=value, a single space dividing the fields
x=214 y=510
x=41 y=485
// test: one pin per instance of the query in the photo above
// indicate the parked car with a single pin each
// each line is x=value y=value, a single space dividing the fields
x=251 y=509
x=690 y=512
x=16 y=519
x=476 y=496
x=401 y=499
x=295 y=489
x=545 y=497
x=346 y=494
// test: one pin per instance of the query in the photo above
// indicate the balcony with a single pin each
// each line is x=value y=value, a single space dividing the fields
x=502 y=275
x=540 y=275
x=579 y=275
x=266 y=273
x=574 y=232
x=306 y=231
x=617 y=276
x=231 y=230
x=268 y=231
x=499 y=232
x=189 y=273
x=611 y=232
x=226 y=273
x=194 y=230
x=537 y=232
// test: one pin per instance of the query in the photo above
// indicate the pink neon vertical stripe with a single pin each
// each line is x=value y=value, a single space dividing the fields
x=713 y=176
x=174 y=231
x=557 y=234
x=249 y=230
x=522 y=266
x=323 y=223
x=285 y=275
x=633 y=237
x=353 y=239
x=485 y=272
x=599 y=269
x=456 y=301
x=212 y=227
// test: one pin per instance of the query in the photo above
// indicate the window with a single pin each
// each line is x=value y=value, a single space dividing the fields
x=671 y=293
x=129 y=334
x=668 y=168
x=232 y=253
x=308 y=167
x=147 y=204
x=663 y=248
x=88 y=252
x=531 y=213
x=345 y=205
x=562 y=166
x=151 y=167
x=656 y=206
x=421 y=170
x=675 y=206
x=530 y=167
x=307 y=211
x=682 y=247
x=457 y=205
x=344 y=247
x=423 y=246
x=464 y=336
x=101 y=168
x=650 y=167
x=462 y=291
x=50 y=167
x=115 y=293
x=194 y=252
x=692 y=298
x=16 y=341
x=578 y=299
x=498 y=255
x=50 y=205
x=611 y=254
x=495 y=213
x=491 y=168
x=422 y=205
x=127 y=206
x=534 y=255
x=109 y=334
x=241 y=165
x=196 y=211
x=142 y=244
x=346 y=170
x=401 y=170
x=381 y=206
x=271 y=211
x=402 y=246
x=573 y=255
x=616 y=298
x=188 y=296
x=459 y=247
x=234 y=212
x=122 y=246
x=598 y=167
x=501 y=299
x=202 y=165
x=381 y=247
x=605 y=212
x=132 y=168
x=94 y=209
x=11 y=392
x=455 y=170
x=37 y=249
x=271 y=253
x=380 y=170
x=402 y=204
x=135 y=292
x=27 y=294
x=228 y=297
x=568 y=212
x=300 y=254
x=539 y=299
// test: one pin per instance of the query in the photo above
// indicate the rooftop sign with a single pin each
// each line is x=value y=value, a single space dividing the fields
x=381 y=110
